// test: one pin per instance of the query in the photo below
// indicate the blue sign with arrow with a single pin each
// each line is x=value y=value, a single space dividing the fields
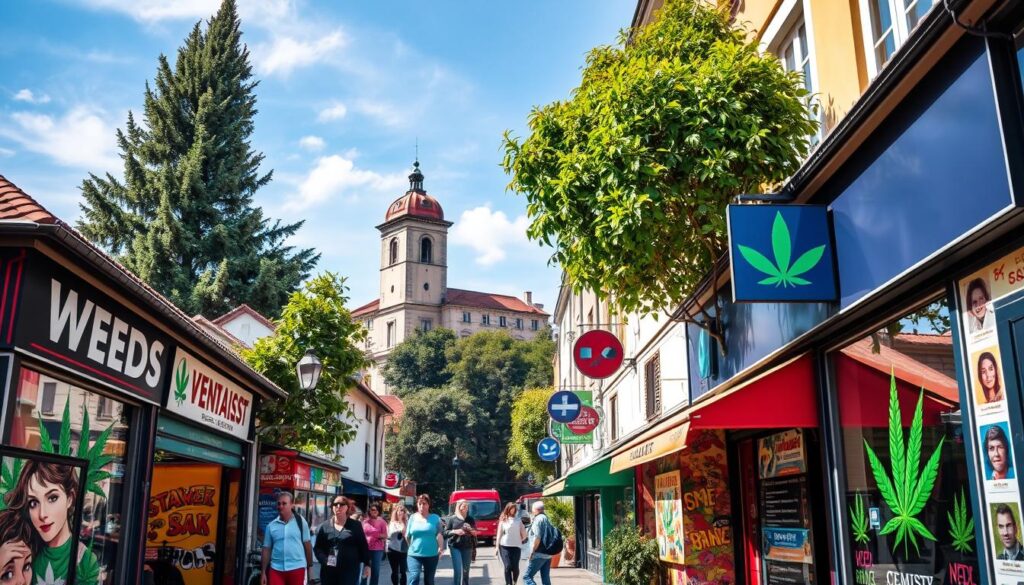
x=548 y=449
x=564 y=406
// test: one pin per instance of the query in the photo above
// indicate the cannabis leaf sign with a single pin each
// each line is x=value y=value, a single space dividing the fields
x=859 y=521
x=781 y=272
x=909 y=488
x=180 y=381
x=94 y=454
x=961 y=526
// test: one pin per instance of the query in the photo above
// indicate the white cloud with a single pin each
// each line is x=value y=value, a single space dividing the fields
x=333 y=176
x=489 y=233
x=81 y=138
x=26 y=95
x=285 y=54
x=6 y=152
x=383 y=112
x=335 y=111
x=313 y=143
x=156 y=10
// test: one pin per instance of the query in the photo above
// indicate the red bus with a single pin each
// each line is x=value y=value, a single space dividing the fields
x=525 y=504
x=484 y=507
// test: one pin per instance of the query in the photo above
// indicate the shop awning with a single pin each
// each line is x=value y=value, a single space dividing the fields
x=782 y=397
x=351 y=487
x=597 y=475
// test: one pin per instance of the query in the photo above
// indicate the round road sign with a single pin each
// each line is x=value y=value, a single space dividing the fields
x=548 y=449
x=564 y=406
x=598 y=354
x=390 y=480
x=585 y=422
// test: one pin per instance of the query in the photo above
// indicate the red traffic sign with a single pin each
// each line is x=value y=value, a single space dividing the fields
x=598 y=354
x=586 y=422
x=390 y=480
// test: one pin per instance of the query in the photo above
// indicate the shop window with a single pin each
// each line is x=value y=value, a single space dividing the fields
x=107 y=439
x=652 y=386
x=906 y=470
x=889 y=24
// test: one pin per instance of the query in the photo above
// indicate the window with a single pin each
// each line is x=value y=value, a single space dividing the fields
x=391 y=334
x=519 y=323
x=885 y=33
x=366 y=461
x=426 y=251
x=467 y=317
x=613 y=407
x=393 y=251
x=652 y=385
x=485 y=319
x=368 y=414
x=426 y=325
x=104 y=408
x=502 y=322
x=49 y=393
x=795 y=54
x=534 y=324
x=369 y=324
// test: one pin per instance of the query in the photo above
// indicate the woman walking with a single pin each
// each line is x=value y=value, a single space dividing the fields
x=398 y=545
x=424 y=534
x=460 y=531
x=376 y=530
x=341 y=547
x=510 y=538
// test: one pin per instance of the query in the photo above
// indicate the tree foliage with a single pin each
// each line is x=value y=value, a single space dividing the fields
x=420 y=361
x=314 y=318
x=529 y=426
x=182 y=217
x=629 y=177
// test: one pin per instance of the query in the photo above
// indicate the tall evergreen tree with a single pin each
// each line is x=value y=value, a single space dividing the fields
x=183 y=217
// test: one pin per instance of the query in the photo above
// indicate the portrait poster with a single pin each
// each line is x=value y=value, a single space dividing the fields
x=669 y=522
x=184 y=507
x=41 y=517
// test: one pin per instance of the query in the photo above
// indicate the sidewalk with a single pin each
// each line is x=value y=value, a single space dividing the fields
x=487 y=570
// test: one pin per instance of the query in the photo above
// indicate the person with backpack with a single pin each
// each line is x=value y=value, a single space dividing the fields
x=287 y=552
x=546 y=541
x=341 y=547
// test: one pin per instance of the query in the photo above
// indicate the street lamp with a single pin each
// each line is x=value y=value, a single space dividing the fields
x=455 y=464
x=309 y=368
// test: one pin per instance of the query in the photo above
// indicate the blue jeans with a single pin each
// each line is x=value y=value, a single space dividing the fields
x=425 y=566
x=538 y=564
x=461 y=559
x=375 y=558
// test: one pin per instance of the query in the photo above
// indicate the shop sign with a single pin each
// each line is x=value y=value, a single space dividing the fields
x=790 y=545
x=586 y=422
x=277 y=471
x=184 y=507
x=597 y=354
x=391 y=479
x=781 y=253
x=564 y=434
x=781 y=454
x=302 y=476
x=651 y=449
x=669 y=524
x=201 y=394
x=63 y=320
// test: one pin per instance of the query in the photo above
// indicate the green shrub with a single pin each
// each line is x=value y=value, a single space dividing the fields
x=562 y=515
x=630 y=557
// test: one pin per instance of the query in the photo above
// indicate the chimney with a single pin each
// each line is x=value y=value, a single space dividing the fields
x=528 y=298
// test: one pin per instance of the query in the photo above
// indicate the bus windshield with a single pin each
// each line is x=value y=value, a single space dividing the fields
x=482 y=509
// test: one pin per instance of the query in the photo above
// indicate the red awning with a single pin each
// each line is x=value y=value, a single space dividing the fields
x=783 y=397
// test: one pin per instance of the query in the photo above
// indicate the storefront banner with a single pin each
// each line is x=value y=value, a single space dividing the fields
x=201 y=394
x=184 y=507
x=63 y=320
x=564 y=435
x=277 y=471
x=781 y=454
x=669 y=509
x=658 y=446
x=791 y=545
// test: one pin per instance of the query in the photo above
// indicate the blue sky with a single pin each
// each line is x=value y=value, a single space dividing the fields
x=345 y=90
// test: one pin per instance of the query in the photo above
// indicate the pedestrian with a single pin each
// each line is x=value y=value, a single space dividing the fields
x=538 y=561
x=341 y=547
x=287 y=552
x=398 y=545
x=424 y=534
x=460 y=535
x=510 y=538
x=376 y=530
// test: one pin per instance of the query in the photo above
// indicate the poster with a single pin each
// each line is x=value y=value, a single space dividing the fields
x=792 y=545
x=41 y=498
x=993 y=428
x=184 y=506
x=707 y=509
x=786 y=541
x=669 y=522
x=781 y=454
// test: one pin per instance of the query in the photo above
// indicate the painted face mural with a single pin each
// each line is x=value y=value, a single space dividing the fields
x=48 y=507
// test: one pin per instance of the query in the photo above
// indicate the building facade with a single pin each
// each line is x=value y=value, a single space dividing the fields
x=414 y=291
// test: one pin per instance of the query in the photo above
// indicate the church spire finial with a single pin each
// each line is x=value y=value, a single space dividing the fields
x=416 y=177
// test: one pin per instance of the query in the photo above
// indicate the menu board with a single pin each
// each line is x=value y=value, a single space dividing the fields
x=993 y=427
x=785 y=514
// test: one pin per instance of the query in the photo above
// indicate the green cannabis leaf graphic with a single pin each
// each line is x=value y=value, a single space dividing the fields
x=180 y=382
x=781 y=271
x=906 y=492
x=859 y=522
x=94 y=455
x=961 y=526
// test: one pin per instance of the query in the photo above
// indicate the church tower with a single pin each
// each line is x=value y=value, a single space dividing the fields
x=414 y=250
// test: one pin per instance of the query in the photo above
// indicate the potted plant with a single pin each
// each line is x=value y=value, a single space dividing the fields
x=630 y=557
x=560 y=512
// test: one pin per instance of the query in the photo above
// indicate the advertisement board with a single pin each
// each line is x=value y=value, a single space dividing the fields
x=564 y=435
x=184 y=507
x=201 y=394
x=669 y=510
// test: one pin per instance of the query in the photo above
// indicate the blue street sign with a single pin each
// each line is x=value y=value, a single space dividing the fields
x=564 y=406
x=548 y=449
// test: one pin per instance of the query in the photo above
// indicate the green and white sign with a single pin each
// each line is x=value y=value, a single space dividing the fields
x=561 y=431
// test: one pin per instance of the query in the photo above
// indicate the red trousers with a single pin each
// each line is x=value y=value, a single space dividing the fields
x=293 y=577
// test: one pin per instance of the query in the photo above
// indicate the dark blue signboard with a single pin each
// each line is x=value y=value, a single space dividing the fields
x=781 y=253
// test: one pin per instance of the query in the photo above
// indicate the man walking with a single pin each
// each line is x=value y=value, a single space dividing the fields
x=287 y=552
x=538 y=561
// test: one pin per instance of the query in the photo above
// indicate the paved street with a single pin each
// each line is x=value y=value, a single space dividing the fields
x=487 y=570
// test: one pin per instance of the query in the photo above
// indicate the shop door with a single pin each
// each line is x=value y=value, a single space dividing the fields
x=592 y=510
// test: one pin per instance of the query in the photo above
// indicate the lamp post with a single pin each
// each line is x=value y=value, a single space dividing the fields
x=308 y=370
x=455 y=464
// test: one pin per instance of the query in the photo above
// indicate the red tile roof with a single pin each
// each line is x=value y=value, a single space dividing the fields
x=482 y=300
x=905 y=367
x=370 y=307
x=216 y=330
x=15 y=204
x=395 y=403
x=247 y=310
x=925 y=338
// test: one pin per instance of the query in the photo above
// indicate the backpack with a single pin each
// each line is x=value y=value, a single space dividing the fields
x=551 y=542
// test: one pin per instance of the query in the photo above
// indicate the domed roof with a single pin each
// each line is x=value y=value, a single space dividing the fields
x=415 y=202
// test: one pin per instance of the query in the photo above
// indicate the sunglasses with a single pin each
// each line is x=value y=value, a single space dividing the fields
x=338 y=504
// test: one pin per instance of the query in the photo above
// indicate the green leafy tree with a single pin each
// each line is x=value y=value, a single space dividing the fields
x=420 y=362
x=182 y=217
x=529 y=426
x=315 y=318
x=629 y=177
